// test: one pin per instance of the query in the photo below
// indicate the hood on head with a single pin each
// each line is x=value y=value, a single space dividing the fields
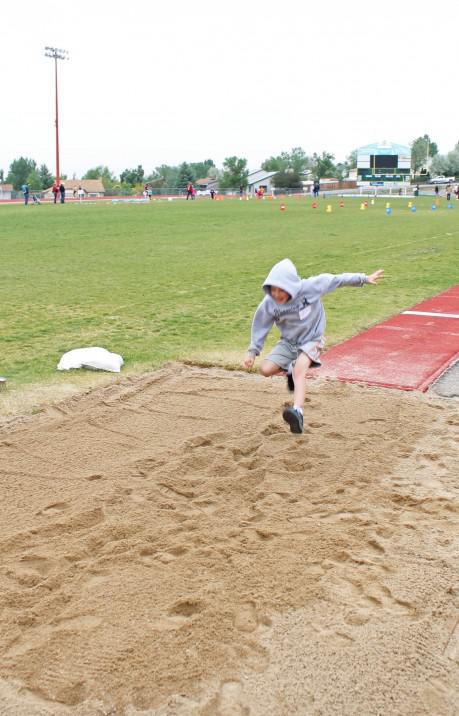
x=283 y=275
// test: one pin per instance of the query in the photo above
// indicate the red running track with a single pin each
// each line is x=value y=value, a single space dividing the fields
x=408 y=351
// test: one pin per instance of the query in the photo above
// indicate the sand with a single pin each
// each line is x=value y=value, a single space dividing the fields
x=168 y=548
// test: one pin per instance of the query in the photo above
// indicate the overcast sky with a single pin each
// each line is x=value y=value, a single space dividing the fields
x=165 y=82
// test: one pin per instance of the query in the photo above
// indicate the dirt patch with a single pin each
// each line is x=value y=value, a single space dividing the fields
x=168 y=547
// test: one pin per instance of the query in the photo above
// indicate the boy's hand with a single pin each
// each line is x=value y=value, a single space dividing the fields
x=249 y=361
x=376 y=276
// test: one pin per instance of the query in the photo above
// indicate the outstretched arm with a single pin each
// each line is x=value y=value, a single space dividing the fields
x=328 y=282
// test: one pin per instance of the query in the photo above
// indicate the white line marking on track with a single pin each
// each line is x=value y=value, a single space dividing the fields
x=428 y=313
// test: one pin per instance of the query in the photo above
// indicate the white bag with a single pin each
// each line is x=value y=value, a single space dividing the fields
x=96 y=358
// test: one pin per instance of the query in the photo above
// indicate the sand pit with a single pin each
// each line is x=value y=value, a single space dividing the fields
x=168 y=548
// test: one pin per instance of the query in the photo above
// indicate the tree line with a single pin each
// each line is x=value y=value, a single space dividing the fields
x=290 y=167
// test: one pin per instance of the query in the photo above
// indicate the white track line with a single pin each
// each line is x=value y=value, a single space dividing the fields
x=427 y=313
x=447 y=234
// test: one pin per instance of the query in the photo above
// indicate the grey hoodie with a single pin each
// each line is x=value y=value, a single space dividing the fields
x=302 y=318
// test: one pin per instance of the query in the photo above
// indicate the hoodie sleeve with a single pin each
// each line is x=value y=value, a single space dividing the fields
x=328 y=282
x=261 y=325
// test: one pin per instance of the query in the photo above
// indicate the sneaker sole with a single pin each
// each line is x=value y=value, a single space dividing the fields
x=290 y=418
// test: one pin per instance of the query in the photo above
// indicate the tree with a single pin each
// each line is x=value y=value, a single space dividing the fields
x=287 y=179
x=185 y=175
x=2 y=174
x=19 y=171
x=234 y=173
x=439 y=164
x=34 y=181
x=296 y=161
x=107 y=177
x=46 y=178
x=351 y=159
x=132 y=176
x=201 y=169
x=341 y=170
x=422 y=149
x=163 y=176
x=447 y=164
x=323 y=166
x=275 y=164
x=213 y=173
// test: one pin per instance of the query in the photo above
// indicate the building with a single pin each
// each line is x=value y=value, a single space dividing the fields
x=260 y=179
x=383 y=164
x=6 y=191
x=202 y=184
x=93 y=188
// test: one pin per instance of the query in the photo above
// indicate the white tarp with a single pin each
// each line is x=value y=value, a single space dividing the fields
x=94 y=357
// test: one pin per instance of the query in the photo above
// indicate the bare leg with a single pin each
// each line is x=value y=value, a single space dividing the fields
x=302 y=364
x=268 y=368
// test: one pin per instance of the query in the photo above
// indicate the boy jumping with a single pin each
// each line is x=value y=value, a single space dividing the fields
x=294 y=305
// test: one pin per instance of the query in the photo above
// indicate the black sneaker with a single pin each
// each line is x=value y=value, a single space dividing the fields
x=290 y=383
x=294 y=418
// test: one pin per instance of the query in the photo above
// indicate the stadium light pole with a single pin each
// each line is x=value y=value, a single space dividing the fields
x=56 y=54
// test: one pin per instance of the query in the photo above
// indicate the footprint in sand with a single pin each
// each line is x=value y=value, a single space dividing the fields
x=55 y=508
x=93 y=478
x=37 y=636
x=149 y=556
x=187 y=607
x=33 y=563
x=204 y=505
x=247 y=619
x=452 y=648
x=272 y=429
x=179 y=615
x=230 y=700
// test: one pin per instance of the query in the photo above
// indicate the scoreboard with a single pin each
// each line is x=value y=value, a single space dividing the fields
x=385 y=162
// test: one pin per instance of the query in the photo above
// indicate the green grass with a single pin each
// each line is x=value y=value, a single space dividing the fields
x=174 y=280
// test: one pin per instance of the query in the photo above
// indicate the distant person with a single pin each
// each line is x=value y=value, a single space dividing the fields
x=436 y=190
x=25 y=191
x=416 y=190
x=149 y=192
x=55 y=190
x=241 y=190
x=212 y=193
x=456 y=191
x=294 y=305
x=74 y=193
x=80 y=193
x=62 y=192
x=448 y=190
x=189 y=191
x=316 y=188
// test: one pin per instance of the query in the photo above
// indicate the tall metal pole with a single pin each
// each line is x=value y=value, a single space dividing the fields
x=56 y=54
x=58 y=173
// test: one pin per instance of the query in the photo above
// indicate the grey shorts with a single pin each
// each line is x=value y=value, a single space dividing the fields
x=284 y=353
